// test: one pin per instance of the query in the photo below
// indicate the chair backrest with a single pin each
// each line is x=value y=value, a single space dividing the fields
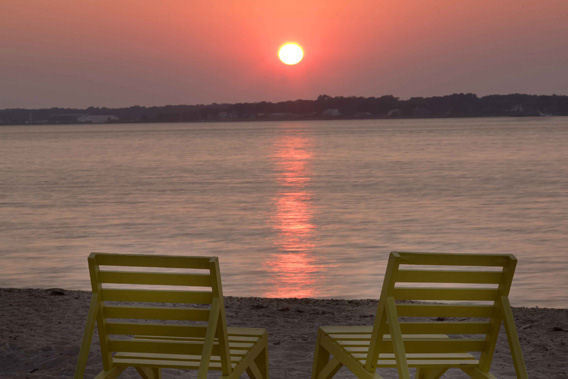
x=458 y=295
x=151 y=296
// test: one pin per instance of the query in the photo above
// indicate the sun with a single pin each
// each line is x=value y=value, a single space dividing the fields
x=290 y=53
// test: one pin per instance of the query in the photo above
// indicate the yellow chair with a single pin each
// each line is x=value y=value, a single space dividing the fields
x=451 y=318
x=144 y=323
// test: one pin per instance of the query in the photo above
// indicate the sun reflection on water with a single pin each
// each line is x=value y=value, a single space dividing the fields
x=293 y=264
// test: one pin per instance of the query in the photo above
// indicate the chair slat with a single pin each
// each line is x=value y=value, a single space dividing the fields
x=444 y=346
x=386 y=337
x=139 y=345
x=174 y=363
x=448 y=276
x=155 y=313
x=454 y=259
x=174 y=357
x=242 y=339
x=351 y=337
x=156 y=296
x=149 y=260
x=148 y=329
x=426 y=363
x=430 y=356
x=433 y=345
x=171 y=346
x=240 y=345
x=155 y=278
x=421 y=293
x=445 y=310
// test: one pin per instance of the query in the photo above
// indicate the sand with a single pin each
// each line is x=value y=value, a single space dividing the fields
x=40 y=334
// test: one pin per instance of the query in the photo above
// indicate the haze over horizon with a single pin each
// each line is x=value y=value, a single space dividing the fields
x=126 y=52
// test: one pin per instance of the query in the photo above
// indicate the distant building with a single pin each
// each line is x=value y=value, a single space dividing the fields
x=226 y=115
x=363 y=115
x=281 y=116
x=331 y=112
x=394 y=113
x=97 y=119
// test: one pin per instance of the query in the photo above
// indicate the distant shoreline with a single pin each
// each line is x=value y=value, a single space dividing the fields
x=323 y=108
x=280 y=120
x=41 y=330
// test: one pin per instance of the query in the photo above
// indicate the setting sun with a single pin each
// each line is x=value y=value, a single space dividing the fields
x=290 y=53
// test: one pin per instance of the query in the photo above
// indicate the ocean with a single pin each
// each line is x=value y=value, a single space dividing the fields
x=292 y=209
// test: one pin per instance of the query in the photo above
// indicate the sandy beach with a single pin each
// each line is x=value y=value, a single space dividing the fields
x=41 y=329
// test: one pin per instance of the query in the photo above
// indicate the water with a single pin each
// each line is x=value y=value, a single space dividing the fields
x=293 y=209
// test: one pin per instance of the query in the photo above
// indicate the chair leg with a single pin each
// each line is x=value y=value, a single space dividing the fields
x=513 y=338
x=262 y=362
x=149 y=373
x=114 y=372
x=87 y=337
x=253 y=371
x=321 y=357
x=476 y=373
x=330 y=368
x=422 y=373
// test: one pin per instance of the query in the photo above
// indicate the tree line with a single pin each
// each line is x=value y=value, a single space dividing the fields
x=324 y=107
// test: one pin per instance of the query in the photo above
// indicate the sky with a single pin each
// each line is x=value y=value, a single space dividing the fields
x=115 y=53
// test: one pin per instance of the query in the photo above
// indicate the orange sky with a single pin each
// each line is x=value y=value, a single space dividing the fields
x=77 y=53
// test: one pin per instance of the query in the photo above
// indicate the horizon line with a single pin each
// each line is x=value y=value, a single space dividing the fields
x=282 y=101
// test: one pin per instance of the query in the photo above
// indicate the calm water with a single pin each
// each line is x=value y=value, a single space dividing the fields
x=293 y=209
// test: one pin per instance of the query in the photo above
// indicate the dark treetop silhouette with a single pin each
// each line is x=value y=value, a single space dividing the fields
x=324 y=107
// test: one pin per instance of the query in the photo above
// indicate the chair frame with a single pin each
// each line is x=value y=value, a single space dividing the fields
x=152 y=346
x=427 y=346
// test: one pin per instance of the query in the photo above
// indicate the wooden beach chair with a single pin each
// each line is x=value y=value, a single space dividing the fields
x=451 y=318
x=145 y=324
